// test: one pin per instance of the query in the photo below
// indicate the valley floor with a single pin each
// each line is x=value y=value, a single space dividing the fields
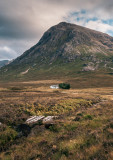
x=83 y=129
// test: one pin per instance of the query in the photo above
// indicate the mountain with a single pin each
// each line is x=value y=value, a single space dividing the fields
x=3 y=63
x=64 y=50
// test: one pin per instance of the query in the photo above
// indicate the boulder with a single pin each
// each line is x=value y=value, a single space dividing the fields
x=34 y=119
x=49 y=119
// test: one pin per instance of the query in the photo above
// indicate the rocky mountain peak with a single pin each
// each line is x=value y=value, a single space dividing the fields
x=67 y=43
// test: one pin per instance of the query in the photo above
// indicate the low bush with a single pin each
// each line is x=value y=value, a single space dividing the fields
x=64 y=86
x=7 y=136
x=15 y=89
x=65 y=152
x=88 y=117
x=54 y=128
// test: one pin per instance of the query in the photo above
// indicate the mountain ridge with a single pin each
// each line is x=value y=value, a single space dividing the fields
x=3 y=63
x=61 y=26
x=64 y=46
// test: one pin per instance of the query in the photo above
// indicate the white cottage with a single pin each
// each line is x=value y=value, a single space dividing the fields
x=54 y=86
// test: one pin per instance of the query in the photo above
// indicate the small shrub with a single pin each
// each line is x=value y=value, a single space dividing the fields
x=77 y=118
x=54 y=128
x=7 y=136
x=111 y=125
x=64 y=85
x=90 y=140
x=88 y=117
x=80 y=114
x=24 y=128
x=15 y=89
x=71 y=127
x=65 y=152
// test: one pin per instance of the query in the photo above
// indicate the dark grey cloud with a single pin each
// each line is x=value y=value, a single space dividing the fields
x=16 y=28
x=22 y=22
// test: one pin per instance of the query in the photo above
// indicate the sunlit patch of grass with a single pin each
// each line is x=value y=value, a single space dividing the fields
x=71 y=126
x=92 y=150
x=64 y=106
x=89 y=140
x=63 y=157
x=20 y=154
x=71 y=146
x=95 y=123
x=111 y=155
x=110 y=131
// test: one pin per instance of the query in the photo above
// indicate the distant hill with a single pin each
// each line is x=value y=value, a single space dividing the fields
x=64 y=50
x=3 y=62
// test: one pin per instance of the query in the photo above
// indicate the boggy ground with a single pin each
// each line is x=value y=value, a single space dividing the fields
x=82 y=131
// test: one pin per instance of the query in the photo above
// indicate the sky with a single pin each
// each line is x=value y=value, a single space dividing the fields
x=23 y=22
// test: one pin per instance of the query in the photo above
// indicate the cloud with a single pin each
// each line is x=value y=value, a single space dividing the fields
x=84 y=18
x=99 y=26
x=23 y=19
x=7 y=53
x=23 y=22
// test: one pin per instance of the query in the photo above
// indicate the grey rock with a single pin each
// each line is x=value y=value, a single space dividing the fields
x=49 y=119
x=34 y=119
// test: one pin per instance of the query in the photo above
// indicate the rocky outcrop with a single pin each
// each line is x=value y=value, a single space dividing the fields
x=35 y=119
x=90 y=67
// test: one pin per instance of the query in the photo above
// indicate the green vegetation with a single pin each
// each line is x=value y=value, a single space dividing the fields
x=61 y=107
x=7 y=136
x=88 y=117
x=64 y=86
x=68 y=138
x=15 y=89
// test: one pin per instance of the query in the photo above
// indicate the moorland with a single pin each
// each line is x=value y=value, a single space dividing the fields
x=83 y=129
